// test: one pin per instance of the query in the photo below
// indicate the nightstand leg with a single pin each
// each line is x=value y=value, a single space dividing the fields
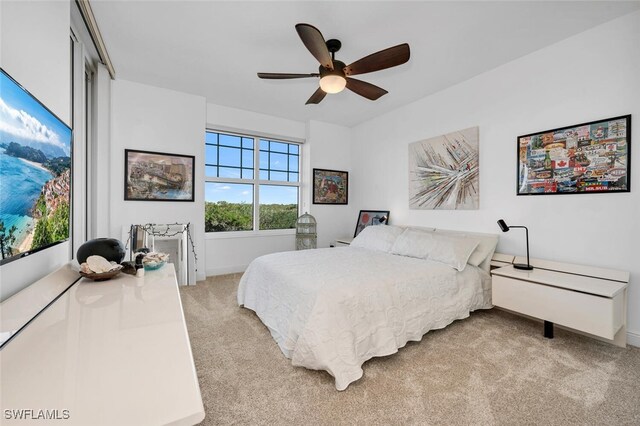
x=548 y=329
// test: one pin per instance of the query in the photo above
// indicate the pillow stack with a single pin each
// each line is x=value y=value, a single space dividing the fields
x=449 y=250
x=456 y=249
x=481 y=256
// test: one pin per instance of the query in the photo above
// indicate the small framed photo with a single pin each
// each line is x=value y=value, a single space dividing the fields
x=158 y=176
x=369 y=218
x=330 y=187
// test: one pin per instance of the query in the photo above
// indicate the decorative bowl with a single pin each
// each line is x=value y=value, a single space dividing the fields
x=152 y=266
x=103 y=276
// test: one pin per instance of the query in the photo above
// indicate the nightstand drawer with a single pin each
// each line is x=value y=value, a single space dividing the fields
x=601 y=316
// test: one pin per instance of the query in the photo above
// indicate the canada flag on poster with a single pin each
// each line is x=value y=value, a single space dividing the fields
x=560 y=163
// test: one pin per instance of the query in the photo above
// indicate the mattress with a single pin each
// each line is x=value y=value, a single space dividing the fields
x=333 y=309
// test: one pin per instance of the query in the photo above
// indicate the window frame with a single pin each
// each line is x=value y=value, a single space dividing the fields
x=256 y=182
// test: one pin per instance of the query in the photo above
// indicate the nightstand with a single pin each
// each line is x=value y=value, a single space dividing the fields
x=584 y=298
x=345 y=241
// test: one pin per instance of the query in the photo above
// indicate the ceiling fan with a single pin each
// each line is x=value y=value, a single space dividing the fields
x=335 y=75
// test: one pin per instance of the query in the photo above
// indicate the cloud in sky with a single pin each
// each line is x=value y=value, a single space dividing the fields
x=225 y=187
x=22 y=125
x=245 y=192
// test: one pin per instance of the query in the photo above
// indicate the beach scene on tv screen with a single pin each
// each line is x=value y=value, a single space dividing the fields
x=35 y=173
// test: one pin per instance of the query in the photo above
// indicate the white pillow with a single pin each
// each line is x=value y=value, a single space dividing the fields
x=484 y=250
x=377 y=237
x=413 y=243
x=452 y=251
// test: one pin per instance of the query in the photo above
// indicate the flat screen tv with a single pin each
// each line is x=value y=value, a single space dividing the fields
x=35 y=173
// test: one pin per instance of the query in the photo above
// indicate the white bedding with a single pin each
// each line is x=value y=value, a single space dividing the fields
x=333 y=309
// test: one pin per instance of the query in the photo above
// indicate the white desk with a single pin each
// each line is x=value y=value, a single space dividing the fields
x=111 y=353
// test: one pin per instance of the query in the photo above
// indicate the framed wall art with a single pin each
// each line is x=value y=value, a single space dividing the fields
x=330 y=187
x=585 y=158
x=369 y=218
x=158 y=176
x=444 y=172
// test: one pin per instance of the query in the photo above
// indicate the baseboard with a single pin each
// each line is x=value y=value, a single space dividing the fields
x=226 y=270
x=633 y=339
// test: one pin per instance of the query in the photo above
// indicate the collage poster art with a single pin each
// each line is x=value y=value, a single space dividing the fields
x=587 y=158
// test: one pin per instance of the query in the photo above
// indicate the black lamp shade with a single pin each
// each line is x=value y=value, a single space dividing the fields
x=503 y=226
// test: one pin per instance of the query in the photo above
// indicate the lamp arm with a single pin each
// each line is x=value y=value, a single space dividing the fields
x=527 y=235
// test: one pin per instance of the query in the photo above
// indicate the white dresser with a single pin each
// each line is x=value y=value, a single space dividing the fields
x=584 y=298
x=110 y=353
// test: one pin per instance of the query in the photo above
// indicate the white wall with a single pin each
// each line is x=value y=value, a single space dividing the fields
x=35 y=50
x=152 y=119
x=221 y=117
x=329 y=147
x=590 y=76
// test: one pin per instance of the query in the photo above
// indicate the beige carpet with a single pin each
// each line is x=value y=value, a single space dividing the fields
x=492 y=368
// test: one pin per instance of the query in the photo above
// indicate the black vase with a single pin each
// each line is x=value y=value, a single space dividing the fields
x=109 y=248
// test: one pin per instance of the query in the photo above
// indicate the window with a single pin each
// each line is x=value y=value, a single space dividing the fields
x=251 y=183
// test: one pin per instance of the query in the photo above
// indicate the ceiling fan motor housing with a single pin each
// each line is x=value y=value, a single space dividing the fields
x=338 y=69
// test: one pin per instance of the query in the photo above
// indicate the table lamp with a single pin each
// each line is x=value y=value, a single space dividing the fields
x=505 y=228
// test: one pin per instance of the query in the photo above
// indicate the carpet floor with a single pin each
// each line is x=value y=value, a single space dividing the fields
x=491 y=368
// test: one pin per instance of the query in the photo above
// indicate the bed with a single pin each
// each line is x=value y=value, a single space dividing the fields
x=335 y=308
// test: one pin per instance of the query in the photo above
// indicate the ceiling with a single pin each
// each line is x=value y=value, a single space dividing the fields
x=214 y=49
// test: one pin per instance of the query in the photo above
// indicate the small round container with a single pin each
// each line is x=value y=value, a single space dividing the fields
x=152 y=266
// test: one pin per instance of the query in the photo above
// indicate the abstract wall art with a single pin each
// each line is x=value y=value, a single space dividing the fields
x=444 y=172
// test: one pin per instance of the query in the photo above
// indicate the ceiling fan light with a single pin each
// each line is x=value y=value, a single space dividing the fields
x=333 y=83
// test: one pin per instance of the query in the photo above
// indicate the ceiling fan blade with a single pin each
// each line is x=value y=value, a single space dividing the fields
x=387 y=58
x=314 y=41
x=317 y=97
x=365 y=89
x=282 y=76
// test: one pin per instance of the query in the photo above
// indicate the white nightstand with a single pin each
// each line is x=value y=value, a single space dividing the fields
x=345 y=241
x=584 y=298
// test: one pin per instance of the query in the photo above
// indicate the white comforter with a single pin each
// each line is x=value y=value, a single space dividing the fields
x=333 y=309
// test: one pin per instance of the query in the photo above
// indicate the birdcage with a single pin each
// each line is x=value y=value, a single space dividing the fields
x=306 y=235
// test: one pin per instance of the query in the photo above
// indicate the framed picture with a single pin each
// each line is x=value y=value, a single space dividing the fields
x=585 y=158
x=330 y=187
x=158 y=176
x=444 y=172
x=369 y=218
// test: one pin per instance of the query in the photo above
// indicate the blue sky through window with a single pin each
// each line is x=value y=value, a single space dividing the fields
x=273 y=194
x=229 y=192
x=243 y=193
x=225 y=154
